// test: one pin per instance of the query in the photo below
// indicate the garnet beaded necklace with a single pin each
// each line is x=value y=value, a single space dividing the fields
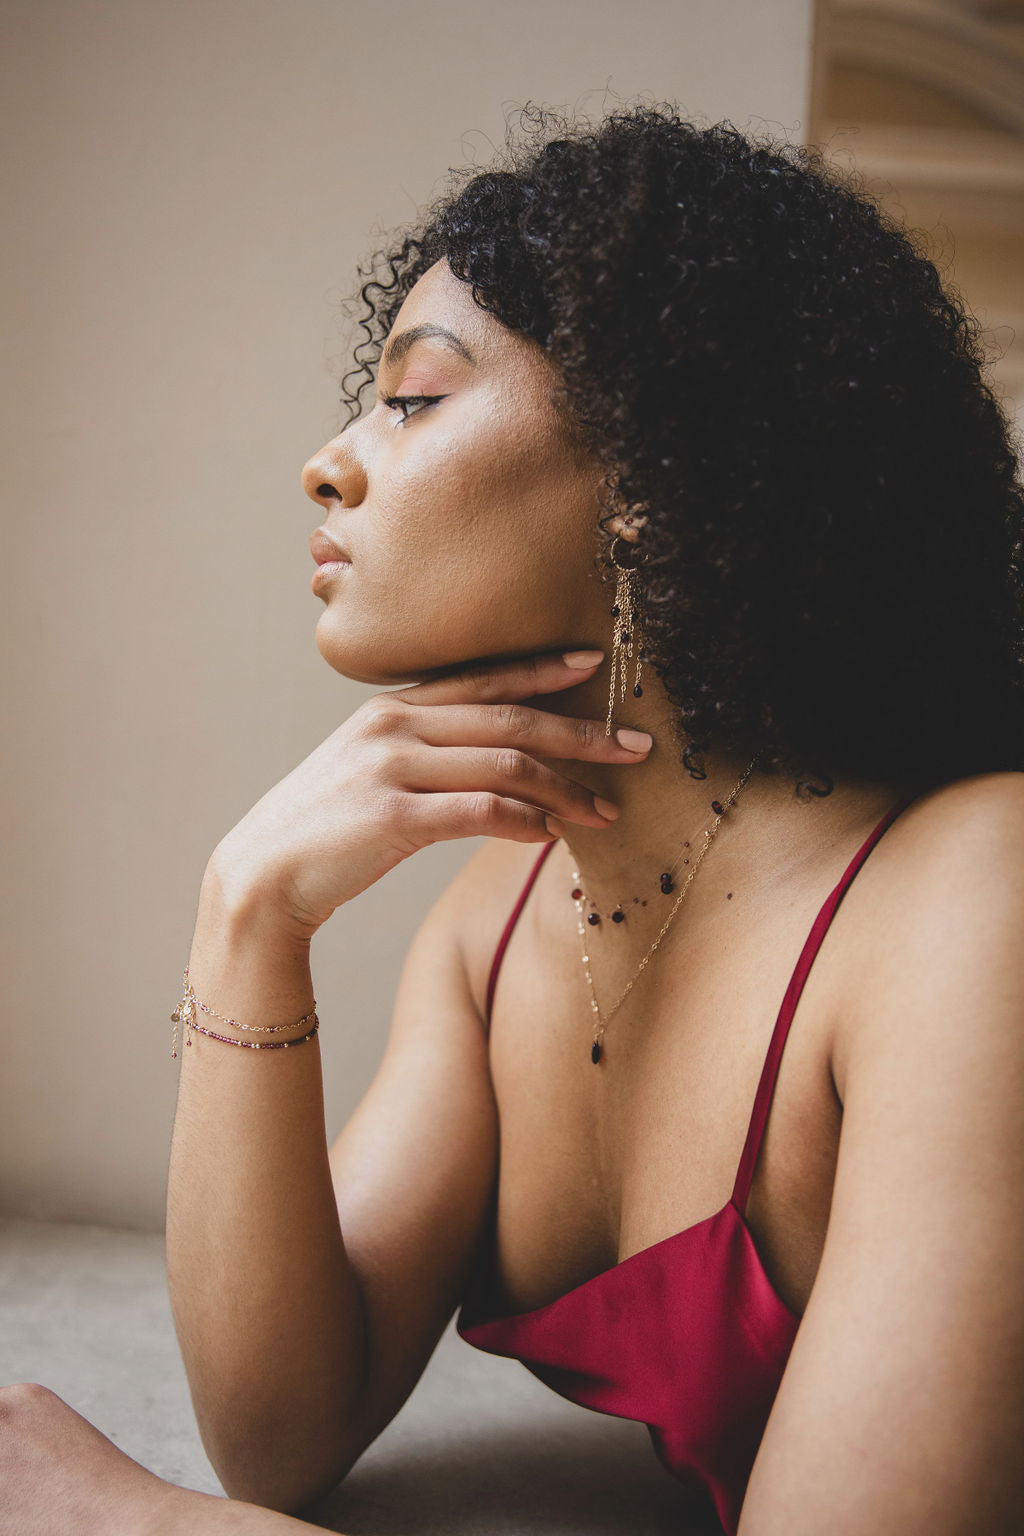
x=618 y=915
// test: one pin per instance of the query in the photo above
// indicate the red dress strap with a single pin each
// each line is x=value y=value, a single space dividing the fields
x=769 y=1071
x=513 y=918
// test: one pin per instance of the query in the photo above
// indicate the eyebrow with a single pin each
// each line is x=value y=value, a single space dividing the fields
x=398 y=346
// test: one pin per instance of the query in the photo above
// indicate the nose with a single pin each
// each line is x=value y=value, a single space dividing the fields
x=334 y=474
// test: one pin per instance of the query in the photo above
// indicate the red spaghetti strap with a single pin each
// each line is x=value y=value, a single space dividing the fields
x=769 y=1071
x=503 y=941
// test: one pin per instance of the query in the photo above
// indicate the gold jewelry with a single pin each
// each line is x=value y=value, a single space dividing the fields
x=185 y=1013
x=628 y=612
x=709 y=836
x=667 y=879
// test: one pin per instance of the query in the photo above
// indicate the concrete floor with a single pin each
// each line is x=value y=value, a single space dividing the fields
x=481 y=1448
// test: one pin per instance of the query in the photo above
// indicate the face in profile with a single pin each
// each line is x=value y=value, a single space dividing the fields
x=468 y=521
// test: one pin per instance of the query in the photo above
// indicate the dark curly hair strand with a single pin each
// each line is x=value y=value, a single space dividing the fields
x=769 y=365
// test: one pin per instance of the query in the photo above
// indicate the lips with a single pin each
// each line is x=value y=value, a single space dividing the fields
x=323 y=548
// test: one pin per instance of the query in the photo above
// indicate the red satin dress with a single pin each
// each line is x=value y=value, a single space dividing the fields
x=689 y=1335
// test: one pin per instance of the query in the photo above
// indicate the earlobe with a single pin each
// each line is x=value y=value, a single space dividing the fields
x=628 y=526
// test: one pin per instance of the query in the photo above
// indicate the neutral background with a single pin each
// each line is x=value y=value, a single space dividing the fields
x=188 y=190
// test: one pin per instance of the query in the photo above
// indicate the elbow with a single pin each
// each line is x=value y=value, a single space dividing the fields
x=279 y=1472
x=286 y=1486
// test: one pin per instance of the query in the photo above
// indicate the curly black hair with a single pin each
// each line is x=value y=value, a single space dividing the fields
x=767 y=363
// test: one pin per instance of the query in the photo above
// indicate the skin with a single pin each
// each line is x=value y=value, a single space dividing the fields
x=472 y=531
x=887 y=1203
x=488 y=478
x=652 y=1147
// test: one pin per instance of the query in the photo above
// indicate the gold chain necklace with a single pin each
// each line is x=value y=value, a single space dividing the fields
x=579 y=897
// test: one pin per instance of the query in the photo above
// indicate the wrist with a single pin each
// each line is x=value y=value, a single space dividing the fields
x=248 y=977
x=246 y=902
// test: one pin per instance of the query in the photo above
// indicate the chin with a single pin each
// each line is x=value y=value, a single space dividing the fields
x=370 y=661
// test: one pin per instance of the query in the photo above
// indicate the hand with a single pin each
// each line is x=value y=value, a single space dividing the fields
x=58 y=1473
x=457 y=756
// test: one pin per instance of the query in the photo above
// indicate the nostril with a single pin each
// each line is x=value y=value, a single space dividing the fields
x=327 y=490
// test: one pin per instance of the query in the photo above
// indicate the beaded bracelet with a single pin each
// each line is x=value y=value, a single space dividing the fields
x=185 y=1013
x=250 y=1045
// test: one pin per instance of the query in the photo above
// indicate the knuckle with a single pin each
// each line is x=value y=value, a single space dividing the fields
x=515 y=720
x=23 y=1394
x=481 y=808
x=382 y=715
x=392 y=807
x=511 y=764
x=479 y=679
x=525 y=815
x=586 y=733
x=474 y=682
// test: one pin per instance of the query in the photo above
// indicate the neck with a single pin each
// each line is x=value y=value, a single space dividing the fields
x=763 y=836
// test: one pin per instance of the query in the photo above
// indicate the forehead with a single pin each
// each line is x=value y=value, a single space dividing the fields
x=440 y=297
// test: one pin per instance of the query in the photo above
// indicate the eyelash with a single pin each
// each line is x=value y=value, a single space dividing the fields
x=392 y=400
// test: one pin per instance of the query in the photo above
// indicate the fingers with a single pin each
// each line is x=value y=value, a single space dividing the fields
x=520 y=678
x=468 y=765
x=527 y=729
x=506 y=772
x=481 y=814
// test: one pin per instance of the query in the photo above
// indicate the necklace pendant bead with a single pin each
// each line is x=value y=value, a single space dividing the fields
x=619 y=914
x=638 y=692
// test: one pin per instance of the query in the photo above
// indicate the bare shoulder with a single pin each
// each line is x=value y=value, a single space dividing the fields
x=910 y=1354
x=478 y=902
x=982 y=810
x=947 y=896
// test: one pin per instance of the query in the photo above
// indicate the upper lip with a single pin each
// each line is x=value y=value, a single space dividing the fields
x=323 y=548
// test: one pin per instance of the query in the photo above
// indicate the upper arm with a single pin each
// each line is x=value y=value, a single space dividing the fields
x=414 y=1166
x=902 y=1404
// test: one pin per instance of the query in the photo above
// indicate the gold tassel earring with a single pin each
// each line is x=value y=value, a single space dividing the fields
x=627 y=612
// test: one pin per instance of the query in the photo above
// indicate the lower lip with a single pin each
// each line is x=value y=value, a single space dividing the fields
x=325 y=572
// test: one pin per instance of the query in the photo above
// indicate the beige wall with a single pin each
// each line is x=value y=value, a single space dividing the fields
x=926 y=98
x=190 y=187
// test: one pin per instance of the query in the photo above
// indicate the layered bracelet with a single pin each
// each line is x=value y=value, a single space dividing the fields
x=185 y=1013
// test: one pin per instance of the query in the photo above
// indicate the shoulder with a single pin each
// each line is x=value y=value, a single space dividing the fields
x=941 y=908
x=477 y=903
x=984 y=814
x=946 y=921
x=910 y=1355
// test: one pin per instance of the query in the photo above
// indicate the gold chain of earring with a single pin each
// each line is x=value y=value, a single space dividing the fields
x=628 y=613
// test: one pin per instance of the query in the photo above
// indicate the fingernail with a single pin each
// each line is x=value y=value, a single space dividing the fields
x=582 y=658
x=636 y=741
x=605 y=808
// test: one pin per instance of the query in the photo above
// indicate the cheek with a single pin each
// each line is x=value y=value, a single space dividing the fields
x=489 y=516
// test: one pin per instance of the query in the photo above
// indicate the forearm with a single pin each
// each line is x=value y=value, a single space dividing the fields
x=184 y=1512
x=266 y=1305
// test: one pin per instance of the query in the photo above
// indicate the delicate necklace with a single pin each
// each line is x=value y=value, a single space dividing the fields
x=579 y=895
x=667 y=879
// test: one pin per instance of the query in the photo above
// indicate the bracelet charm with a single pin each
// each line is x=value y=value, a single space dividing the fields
x=185 y=1013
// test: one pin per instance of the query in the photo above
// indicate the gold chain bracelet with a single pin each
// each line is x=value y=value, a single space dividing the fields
x=185 y=1013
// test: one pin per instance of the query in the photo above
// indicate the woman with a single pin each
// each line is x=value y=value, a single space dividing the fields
x=696 y=404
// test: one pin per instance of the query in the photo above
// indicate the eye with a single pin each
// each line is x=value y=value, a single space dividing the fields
x=403 y=400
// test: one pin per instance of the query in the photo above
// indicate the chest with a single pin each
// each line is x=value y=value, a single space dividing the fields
x=599 y=1162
